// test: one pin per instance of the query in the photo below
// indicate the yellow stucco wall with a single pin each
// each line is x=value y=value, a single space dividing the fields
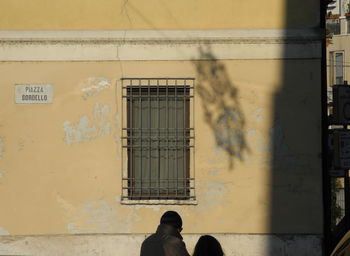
x=48 y=186
x=156 y=14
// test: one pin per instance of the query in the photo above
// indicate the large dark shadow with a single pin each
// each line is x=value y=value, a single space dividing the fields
x=221 y=107
x=296 y=141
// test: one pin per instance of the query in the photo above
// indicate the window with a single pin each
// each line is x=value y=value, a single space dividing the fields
x=333 y=26
x=339 y=67
x=336 y=67
x=158 y=139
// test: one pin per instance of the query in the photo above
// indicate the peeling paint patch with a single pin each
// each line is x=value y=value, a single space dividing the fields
x=214 y=171
x=251 y=133
x=4 y=232
x=88 y=128
x=92 y=217
x=263 y=144
x=258 y=114
x=219 y=152
x=214 y=196
x=101 y=216
x=2 y=148
x=95 y=216
x=101 y=117
x=219 y=156
x=2 y=174
x=94 y=85
x=78 y=132
x=68 y=208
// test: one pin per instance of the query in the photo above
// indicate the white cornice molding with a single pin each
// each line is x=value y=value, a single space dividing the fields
x=158 y=45
x=162 y=36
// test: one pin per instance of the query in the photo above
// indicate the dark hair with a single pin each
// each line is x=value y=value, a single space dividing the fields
x=171 y=218
x=208 y=246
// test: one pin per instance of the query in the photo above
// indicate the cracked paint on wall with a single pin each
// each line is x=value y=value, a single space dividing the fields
x=4 y=232
x=213 y=196
x=88 y=127
x=94 y=85
x=258 y=115
x=98 y=216
x=101 y=216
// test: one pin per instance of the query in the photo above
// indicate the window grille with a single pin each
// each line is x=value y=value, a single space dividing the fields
x=158 y=139
x=340 y=201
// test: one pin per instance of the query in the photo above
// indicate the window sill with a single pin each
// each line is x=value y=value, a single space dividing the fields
x=158 y=202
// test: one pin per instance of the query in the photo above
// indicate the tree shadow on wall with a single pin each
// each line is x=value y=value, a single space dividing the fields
x=222 y=111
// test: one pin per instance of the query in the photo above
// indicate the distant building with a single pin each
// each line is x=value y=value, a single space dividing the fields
x=338 y=72
x=338 y=48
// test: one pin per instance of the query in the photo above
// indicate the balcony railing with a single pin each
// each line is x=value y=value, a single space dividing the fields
x=333 y=26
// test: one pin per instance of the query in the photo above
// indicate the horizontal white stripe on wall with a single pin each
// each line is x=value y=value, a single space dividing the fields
x=158 y=45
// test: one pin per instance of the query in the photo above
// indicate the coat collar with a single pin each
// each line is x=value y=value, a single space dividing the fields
x=165 y=229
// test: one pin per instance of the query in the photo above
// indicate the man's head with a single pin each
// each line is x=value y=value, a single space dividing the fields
x=173 y=219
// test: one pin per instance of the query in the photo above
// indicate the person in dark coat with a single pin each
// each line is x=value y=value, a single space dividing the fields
x=208 y=246
x=167 y=240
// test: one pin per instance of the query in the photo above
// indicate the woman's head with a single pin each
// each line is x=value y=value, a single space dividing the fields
x=208 y=246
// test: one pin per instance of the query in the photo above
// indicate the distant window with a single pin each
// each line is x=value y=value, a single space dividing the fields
x=158 y=138
x=339 y=67
x=333 y=26
x=329 y=95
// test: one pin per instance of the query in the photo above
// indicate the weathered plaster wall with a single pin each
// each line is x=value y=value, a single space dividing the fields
x=155 y=14
x=60 y=162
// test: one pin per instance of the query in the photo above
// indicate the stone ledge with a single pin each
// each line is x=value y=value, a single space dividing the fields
x=158 y=45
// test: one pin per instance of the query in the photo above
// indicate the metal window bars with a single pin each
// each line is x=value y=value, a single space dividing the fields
x=158 y=139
